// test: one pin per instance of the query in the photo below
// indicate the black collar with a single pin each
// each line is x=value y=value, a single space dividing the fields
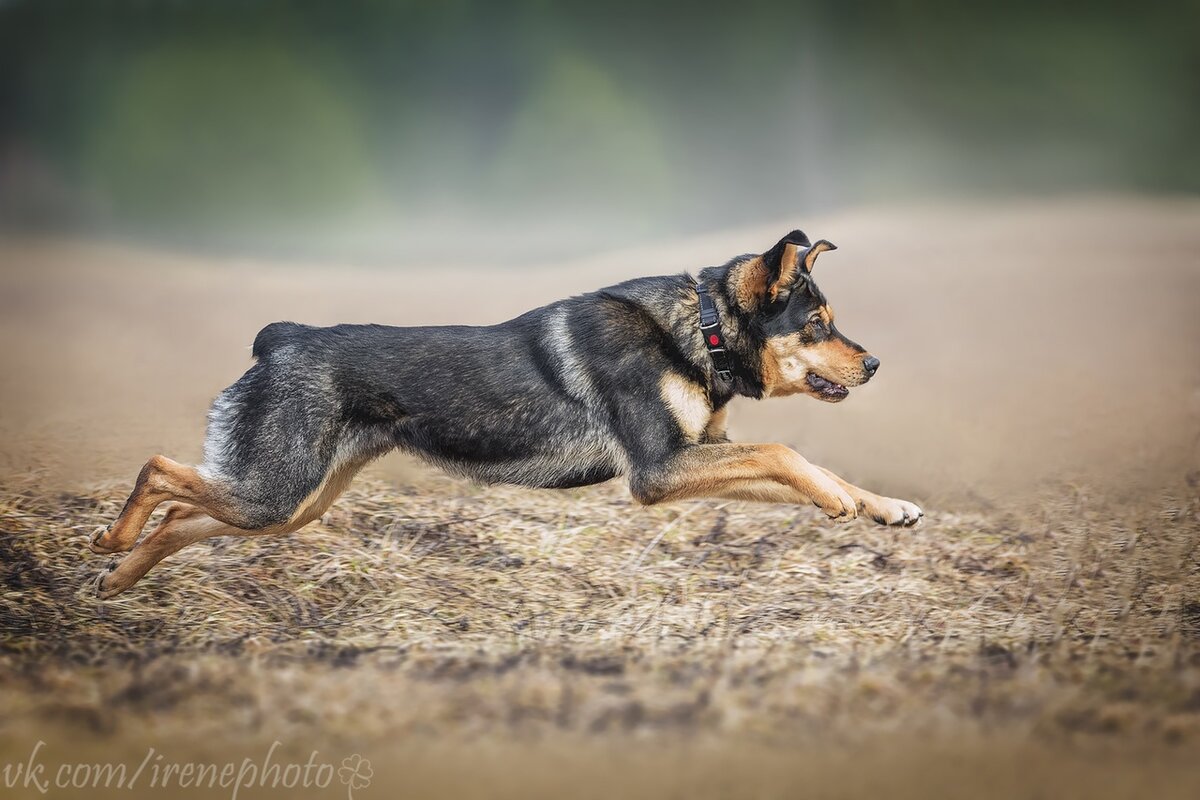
x=710 y=331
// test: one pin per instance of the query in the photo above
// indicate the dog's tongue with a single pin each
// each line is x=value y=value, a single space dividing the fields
x=826 y=387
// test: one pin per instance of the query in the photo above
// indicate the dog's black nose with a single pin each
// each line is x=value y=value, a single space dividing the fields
x=870 y=364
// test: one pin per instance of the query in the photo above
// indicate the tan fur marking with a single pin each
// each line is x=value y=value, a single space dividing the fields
x=772 y=372
x=789 y=265
x=688 y=404
x=320 y=499
x=763 y=472
x=161 y=479
x=749 y=283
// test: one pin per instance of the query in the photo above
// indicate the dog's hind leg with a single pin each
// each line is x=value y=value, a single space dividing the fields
x=183 y=525
x=212 y=511
x=161 y=479
x=176 y=532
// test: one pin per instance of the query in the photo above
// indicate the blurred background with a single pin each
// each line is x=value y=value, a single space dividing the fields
x=379 y=131
x=1015 y=192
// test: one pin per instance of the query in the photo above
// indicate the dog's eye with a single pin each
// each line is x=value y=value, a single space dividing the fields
x=816 y=321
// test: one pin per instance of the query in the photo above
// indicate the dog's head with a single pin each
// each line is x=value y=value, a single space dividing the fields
x=802 y=350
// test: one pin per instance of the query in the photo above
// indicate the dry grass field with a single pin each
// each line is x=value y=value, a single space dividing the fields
x=1037 y=636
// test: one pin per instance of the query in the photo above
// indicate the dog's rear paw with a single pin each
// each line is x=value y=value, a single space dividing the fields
x=897 y=513
x=100 y=542
x=107 y=585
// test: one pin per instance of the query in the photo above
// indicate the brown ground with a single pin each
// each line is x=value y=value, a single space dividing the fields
x=1038 y=635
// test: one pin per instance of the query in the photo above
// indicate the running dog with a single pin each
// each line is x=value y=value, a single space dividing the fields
x=633 y=381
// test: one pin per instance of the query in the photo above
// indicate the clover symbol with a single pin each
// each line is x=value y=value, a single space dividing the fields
x=356 y=773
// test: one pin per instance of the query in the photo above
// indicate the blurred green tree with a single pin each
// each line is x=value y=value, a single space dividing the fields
x=216 y=134
x=578 y=139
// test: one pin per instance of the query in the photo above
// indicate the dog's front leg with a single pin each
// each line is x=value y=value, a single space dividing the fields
x=764 y=472
x=884 y=510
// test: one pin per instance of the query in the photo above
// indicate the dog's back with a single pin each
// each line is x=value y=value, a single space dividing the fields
x=529 y=401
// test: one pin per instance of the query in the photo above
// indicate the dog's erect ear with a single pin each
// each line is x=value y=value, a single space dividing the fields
x=762 y=279
x=809 y=257
x=782 y=261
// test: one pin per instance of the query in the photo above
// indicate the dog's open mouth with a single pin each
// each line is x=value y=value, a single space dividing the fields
x=826 y=389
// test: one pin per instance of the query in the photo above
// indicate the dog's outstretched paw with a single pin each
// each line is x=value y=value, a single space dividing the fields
x=837 y=504
x=893 y=512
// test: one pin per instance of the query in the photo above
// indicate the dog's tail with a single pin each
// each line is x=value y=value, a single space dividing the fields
x=274 y=336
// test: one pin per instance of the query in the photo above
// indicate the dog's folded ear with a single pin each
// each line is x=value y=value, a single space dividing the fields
x=762 y=280
x=809 y=258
